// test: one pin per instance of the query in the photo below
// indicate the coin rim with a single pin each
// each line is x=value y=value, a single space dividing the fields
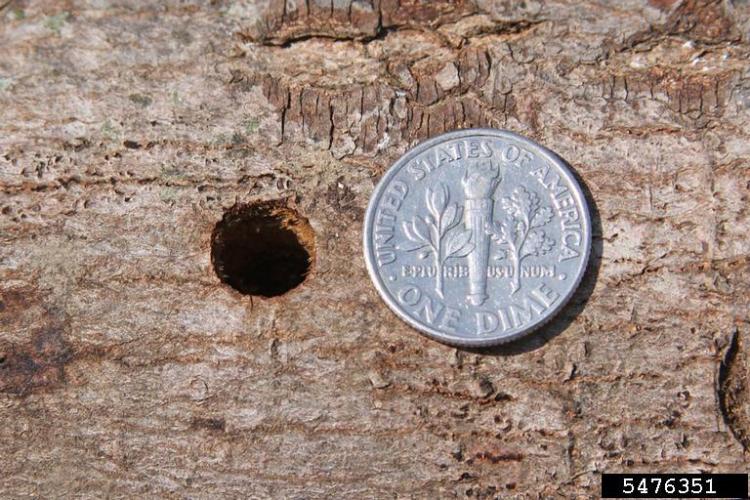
x=396 y=168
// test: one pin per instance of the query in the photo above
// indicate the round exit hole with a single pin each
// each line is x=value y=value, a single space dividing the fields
x=262 y=249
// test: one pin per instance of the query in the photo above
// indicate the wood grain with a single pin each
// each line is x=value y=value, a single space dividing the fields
x=127 y=128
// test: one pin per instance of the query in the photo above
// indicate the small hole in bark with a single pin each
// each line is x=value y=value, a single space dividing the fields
x=733 y=387
x=262 y=248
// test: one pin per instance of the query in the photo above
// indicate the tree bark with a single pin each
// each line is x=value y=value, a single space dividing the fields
x=127 y=129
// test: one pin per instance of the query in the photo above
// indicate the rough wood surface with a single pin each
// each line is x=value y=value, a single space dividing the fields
x=127 y=128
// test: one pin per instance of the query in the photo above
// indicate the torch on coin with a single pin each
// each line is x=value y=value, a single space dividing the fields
x=479 y=183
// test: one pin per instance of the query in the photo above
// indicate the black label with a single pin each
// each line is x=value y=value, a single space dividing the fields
x=674 y=486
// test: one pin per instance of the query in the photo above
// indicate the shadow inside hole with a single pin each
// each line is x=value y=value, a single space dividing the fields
x=577 y=302
x=258 y=249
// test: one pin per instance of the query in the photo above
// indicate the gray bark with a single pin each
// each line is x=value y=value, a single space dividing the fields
x=127 y=128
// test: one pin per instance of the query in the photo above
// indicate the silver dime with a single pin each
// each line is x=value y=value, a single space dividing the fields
x=477 y=237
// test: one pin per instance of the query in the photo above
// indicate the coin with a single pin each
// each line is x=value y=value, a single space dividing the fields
x=477 y=237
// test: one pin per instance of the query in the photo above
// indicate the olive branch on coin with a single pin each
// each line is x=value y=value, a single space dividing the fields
x=519 y=231
x=437 y=233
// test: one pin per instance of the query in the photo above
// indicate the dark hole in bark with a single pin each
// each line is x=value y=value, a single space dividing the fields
x=262 y=249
